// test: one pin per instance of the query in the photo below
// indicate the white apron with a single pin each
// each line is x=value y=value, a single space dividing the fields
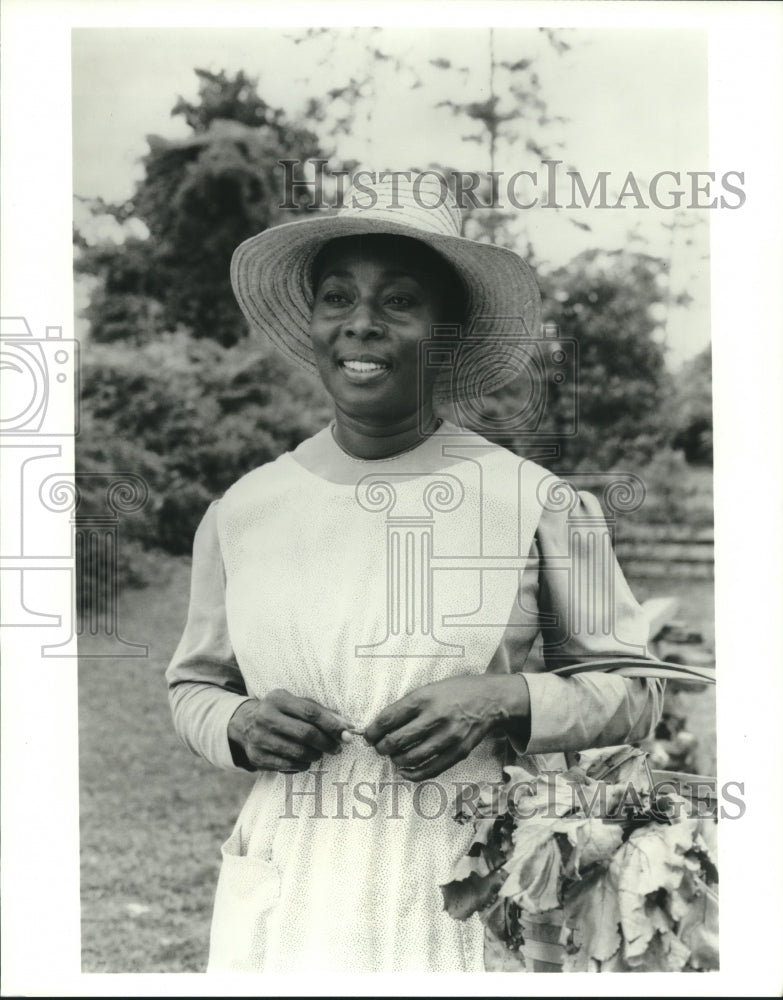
x=354 y=595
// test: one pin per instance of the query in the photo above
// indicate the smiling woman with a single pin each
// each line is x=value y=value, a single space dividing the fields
x=368 y=611
x=377 y=299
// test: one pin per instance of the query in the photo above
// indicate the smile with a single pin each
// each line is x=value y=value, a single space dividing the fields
x=365 y=366
x=363 y=371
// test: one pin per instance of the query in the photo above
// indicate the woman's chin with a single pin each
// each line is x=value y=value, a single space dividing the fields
x=379 y=395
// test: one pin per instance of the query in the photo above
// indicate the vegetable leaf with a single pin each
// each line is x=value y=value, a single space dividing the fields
x=592 y=911
x=592 y=839
x=648 y=861
x=699 y=930
x=464 y=898
x=534 y=868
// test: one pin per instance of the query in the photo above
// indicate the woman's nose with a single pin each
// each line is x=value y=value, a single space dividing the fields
x=363 y=322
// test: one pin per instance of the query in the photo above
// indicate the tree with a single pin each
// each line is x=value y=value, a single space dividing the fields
x=604 y=301
x=199 y=198
x=513 y=105
x=611 y=396
x=162 y=392
x=691 y=409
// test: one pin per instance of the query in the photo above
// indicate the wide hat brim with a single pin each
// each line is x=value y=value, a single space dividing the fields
x=271 y=278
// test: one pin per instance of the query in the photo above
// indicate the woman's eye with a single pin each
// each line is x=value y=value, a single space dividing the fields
x=334 y=298
x=399 y=301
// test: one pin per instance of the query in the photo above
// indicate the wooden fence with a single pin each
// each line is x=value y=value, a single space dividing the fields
x=655 y=550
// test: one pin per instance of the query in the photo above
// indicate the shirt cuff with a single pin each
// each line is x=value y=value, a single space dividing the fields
x=201 y=716
x=551 y=716
x=577 y=713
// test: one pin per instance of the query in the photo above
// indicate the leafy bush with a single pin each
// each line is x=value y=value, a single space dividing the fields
x=691 y=408
x=604 y=303
x=199 y=198
x=190 y=417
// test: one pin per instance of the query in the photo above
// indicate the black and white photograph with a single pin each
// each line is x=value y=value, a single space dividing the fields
x=391 y=492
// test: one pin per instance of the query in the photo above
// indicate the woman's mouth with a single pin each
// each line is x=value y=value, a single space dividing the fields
x=363 y=371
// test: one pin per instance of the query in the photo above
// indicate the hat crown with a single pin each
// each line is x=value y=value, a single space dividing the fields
x=421 y=201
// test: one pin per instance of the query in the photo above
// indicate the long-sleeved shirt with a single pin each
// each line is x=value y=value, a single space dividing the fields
x=560 y=613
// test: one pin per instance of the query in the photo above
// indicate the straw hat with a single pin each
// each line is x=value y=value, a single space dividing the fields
x=271 y=278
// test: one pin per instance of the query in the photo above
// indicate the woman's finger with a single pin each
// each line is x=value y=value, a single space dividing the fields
x=412 y=734
x=309 y=711
x=279 y=743
x=392 y=718
x=439 y=743
x=435 y=766
x=304 y=734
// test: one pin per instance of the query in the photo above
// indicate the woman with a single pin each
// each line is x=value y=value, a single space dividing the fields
x=364 y=609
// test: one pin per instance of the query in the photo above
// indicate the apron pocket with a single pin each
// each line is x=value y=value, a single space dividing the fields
x=248 y=887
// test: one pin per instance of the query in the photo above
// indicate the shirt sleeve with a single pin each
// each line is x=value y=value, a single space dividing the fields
x=585 y=611
x=204 y=680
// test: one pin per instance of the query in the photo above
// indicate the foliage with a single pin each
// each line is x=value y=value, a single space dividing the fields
x=200 y=197
x=223 y=98
x=191 y=417
x=602 y=304
x=344 y=109
x=691 y=408
x=635 y=878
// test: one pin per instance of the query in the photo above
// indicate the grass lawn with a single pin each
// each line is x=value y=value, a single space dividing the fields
x=153 y=816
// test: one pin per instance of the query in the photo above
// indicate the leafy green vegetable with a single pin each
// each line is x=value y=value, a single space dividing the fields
x=632 y=877
x=534 y=868
x=592 y=911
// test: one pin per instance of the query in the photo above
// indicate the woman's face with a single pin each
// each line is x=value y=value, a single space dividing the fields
x=373 y=307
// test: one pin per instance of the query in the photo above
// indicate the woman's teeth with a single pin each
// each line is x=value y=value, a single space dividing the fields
x=364 y=366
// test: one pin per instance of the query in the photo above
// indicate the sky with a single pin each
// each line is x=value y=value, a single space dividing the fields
x=630 y=99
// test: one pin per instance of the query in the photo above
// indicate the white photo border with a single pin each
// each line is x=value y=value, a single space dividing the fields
x=41 y=944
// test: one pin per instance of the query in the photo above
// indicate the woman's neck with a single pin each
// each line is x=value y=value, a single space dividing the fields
x=373 y=441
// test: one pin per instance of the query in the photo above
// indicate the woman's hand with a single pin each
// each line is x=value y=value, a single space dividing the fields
x=283 y=732
x=437 y=725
